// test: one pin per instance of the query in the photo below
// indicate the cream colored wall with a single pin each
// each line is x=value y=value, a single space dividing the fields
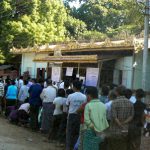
x=29 y=65
x=124 y=64
x=138 y=71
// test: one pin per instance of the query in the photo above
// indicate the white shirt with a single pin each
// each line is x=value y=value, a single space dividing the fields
x=108 y=109
x=1 y=89
x=58 y=101
x=20 y=83
x=74 y=101
x=61 y=86
x=132 y=99
x=25 y=107
x=23 y=93
x=48 y=94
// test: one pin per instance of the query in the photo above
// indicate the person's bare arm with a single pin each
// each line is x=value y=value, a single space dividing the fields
x=129 y=119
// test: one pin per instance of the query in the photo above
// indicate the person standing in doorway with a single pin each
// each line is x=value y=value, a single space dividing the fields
x=35 y=103
x=74 y=101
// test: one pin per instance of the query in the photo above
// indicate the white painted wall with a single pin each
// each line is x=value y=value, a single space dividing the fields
x=124 y=64
x=138 y=71
x=29 y=65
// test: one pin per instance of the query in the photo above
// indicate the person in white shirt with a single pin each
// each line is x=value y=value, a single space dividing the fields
x=23 y=93
x=63 y=124
x=20 y=82
x=48 y=95
x=58 y=114
x=74 y=101
x=23 y=113
x=25 y=107
x=129 y=95
x=133 y=99
x=61 y=86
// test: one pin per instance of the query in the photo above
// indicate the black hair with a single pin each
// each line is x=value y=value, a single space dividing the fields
x=13 y=82
x=34 y=80
x=25 y=82
x=26 y=100
x=140 y=93
x=66 y=84
x=21 y=77
x=69 y=91
x=49 y=81
x=112 y=95
x=77 y=85
x=61 y=93
x=112 y=86
x=40 y=80
x=7 y=82
x=105 y=91
x=121 y=90
x=92 y=91
x=128 y=93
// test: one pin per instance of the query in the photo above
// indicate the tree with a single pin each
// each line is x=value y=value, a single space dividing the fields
x=110 y=16
x=31 y=22
x=75 y=27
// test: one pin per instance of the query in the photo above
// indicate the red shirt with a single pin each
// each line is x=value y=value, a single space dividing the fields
x=82 y=115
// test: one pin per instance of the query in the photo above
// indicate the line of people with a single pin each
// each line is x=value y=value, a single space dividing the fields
x=78 y=120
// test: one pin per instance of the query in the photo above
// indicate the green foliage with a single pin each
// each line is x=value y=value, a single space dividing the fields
x=75 y=28
x=110 y=16
x=93 y=35
x=30 y=22
x=2 y=58
x=35 y=22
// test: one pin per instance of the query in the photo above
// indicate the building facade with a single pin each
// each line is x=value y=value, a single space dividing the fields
x=115 y=60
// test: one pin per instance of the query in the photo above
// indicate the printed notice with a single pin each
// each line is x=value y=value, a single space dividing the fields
x=92 y=76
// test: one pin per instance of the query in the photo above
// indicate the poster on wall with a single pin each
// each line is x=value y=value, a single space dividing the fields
x=56 y=73
x=69 y=71
x=92 y=76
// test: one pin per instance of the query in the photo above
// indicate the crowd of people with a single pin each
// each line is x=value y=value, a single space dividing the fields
x=75 y=116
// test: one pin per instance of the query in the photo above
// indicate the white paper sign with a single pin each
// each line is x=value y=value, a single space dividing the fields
x=56 y=72
x=69 y=71
x=92 y=76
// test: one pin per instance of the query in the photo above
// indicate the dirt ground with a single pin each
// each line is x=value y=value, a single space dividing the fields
x=13 y=137
x=145 y=145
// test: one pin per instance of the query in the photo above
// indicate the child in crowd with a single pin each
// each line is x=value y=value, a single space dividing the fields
x=63 y=124
x=58 y=113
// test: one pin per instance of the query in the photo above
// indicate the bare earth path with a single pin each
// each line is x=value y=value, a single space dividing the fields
x=13 y=137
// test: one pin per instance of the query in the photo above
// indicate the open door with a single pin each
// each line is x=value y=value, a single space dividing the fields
x=40 y=73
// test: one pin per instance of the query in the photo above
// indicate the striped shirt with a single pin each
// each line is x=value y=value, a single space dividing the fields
x=1 y=89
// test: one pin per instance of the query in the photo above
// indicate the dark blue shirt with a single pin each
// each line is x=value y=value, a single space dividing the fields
x=34 y=92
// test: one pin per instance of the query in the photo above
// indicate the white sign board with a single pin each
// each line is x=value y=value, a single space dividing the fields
x=92 y=76
x=56 y=72
x=69 y=71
